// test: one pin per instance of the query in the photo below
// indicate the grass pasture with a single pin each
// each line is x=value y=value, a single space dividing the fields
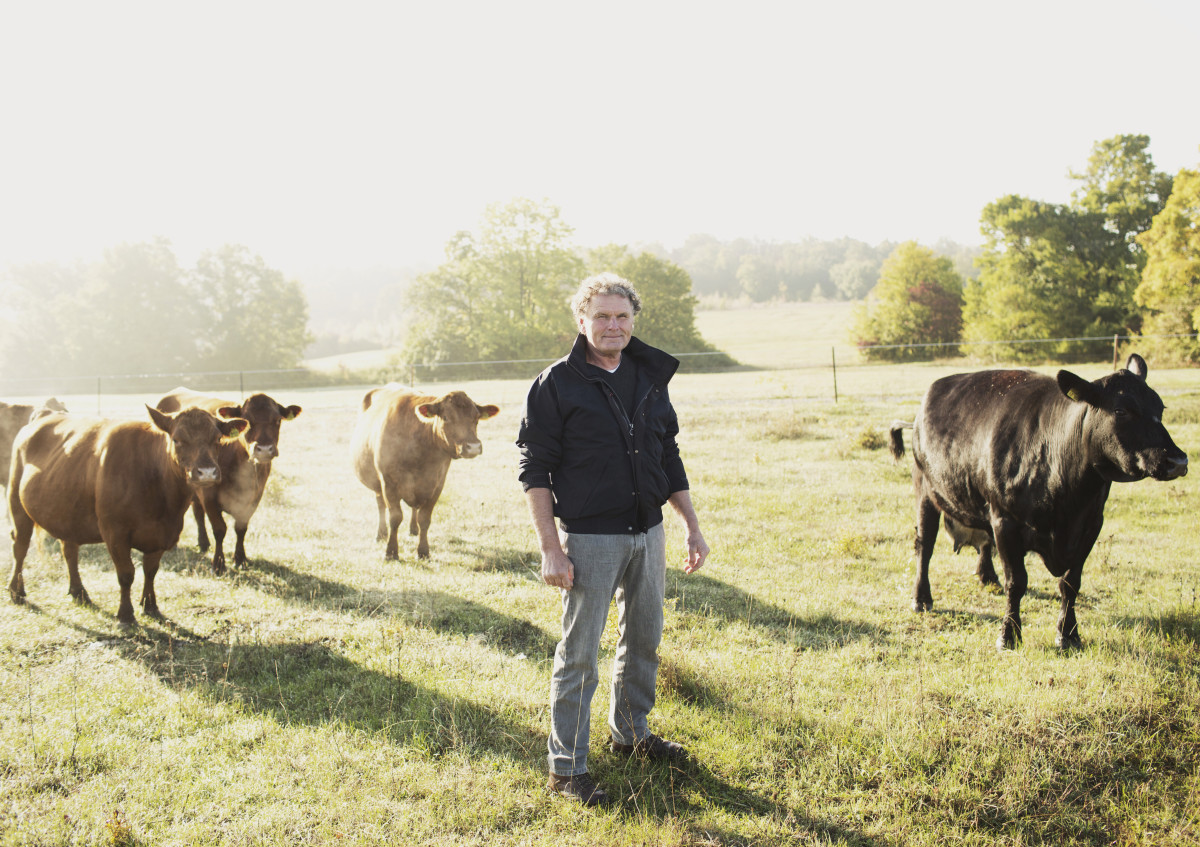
x=321 y=696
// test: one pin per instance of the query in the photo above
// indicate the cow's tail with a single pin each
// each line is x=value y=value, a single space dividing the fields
x=897 y=441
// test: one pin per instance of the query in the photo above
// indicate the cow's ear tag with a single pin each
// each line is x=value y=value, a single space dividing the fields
x=1074 y=394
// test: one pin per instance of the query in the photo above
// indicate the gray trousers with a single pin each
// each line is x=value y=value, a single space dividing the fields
x=633 y=568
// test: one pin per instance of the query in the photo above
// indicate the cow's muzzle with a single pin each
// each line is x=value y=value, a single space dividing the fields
x=204 y=477
x=263 y=453
x=1173 y=468
x=470 y=450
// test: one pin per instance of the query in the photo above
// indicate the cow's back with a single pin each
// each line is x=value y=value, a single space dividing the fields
x=982 y=441
x=391 y=439
x=55 y=467
x=184 y=398
x=77 y=474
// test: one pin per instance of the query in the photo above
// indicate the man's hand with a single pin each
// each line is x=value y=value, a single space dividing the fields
x=697 y=551
x=557 y=569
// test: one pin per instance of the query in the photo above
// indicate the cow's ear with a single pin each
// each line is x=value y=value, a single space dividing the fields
x=229 y=411
x=1078 y=389
x=232 y=427
x=162 y=420
x=429 y=410
x=1137 y=366
x=289 y=412
x=489 y=411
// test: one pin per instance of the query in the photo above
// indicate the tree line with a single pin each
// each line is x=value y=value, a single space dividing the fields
x=137 y=311
x=1122 y=257
x=502 y=294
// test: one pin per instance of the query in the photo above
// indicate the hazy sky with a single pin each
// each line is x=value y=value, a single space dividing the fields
x=367 y=133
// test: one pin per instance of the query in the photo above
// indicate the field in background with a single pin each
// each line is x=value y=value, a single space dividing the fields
x=323 y=696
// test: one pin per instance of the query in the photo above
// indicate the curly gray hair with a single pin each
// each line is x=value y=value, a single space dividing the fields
x=603 y=283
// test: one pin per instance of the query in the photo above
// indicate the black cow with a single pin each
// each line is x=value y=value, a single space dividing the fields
x=1028 y=460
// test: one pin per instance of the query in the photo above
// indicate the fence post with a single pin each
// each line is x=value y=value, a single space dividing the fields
x=833 y=356
x=1116 y=355
x=242 y=384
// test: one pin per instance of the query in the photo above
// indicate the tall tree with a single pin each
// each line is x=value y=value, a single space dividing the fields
x=1170 y=285
x=668 y=316
x=1067 y=272
x=918 y=301
x=138 y=294
x=253 y=316
x=501 y=294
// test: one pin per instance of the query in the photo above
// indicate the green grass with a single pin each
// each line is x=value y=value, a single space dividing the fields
x=323 y=696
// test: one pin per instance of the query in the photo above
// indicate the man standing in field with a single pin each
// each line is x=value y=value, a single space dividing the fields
x=598 y=452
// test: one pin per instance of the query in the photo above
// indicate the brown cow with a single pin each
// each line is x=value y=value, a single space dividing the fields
x=13 y=416
x=126 y=484
x=245 y=466
x=401 y=449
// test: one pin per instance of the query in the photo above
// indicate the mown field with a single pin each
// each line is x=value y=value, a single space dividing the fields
x=322 y=696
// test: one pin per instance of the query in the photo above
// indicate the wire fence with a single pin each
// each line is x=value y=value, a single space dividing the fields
x=847 y=371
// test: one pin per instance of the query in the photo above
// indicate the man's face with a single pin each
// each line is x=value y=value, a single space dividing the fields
x=608 y=323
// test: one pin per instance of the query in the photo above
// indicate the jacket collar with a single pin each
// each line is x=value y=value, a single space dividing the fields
x=659 y=366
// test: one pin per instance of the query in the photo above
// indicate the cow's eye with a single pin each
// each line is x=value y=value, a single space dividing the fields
x=1121 y=413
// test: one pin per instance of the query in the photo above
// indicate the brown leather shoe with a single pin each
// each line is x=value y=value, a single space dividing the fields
x=651 y=747
x=579 y=787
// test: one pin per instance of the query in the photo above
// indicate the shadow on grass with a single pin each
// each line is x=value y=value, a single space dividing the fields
x=666 y=792
x=440 y=611
x=702 y=596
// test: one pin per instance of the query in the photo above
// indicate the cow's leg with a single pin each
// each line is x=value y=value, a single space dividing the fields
x=381 y=534
x=149 y=571
x=123 y=563
x=75 y=588
x=1067 y=636
x=414 y=528
x=239 y=549
x=422 y=518
x=985 y=570
x=395 y=514
x=201 y=531
x=22 y=532
x=928 y=520
x=1016 y=579
x=219 y=527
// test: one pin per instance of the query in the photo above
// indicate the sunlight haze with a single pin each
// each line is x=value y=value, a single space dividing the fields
x=367 y=133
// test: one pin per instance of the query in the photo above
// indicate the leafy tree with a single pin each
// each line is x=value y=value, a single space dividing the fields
x=1067 y=271
x=142 y=315
x=39 y=316
x=918 y=301
x=501 y=295
x=758 y=279
x=853 y=278
x=254 y=317
x=1170 y=284
x=668 y=316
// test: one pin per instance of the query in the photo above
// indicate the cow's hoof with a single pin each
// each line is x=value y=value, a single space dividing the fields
x=18 y=597
x=204 y=545
x=422 y=554
x=391 y=556
x=1004 y=646
x=152 y=612
x=81 y=597
x=923 y=604
x=1068 y=644
x=218 y=565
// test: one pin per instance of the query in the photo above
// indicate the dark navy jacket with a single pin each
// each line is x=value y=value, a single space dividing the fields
x=610 y=469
